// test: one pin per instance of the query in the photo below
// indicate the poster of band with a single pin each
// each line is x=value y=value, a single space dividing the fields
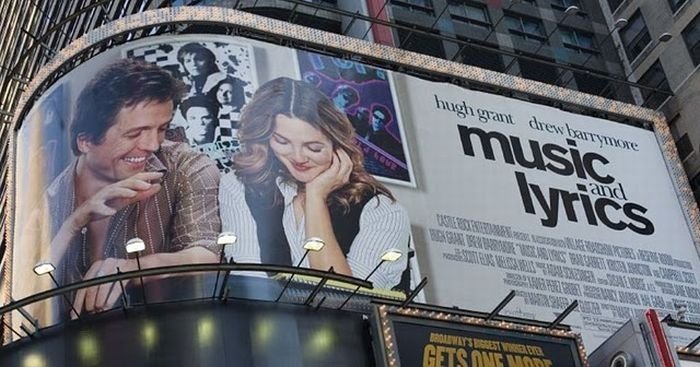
x=219 y=79
x=176 y=139
x=364 y=93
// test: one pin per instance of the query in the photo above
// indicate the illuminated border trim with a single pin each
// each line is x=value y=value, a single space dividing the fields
x=391 y=349
x=690 y=352
x=6 y=283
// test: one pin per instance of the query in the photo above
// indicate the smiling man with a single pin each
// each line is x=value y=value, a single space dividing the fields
x=127 y=181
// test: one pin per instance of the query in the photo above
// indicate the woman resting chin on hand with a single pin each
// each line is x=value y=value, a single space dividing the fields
x=300 y=175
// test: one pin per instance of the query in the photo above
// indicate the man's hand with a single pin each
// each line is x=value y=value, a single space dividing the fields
x=116 y=196
x=337 y=175
x=104 y=296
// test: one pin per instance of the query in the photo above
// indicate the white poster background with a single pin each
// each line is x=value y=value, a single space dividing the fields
x=458 y=186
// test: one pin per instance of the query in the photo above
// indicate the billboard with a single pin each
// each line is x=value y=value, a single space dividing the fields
x=493 y=193
x=556 y=206
x=413 y=337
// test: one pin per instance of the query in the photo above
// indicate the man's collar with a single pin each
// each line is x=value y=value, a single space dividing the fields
x=154 y=164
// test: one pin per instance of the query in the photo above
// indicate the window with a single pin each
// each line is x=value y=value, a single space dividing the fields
x=691 y=36
x=635 y=36
x=563 y=4
x=676 y=4
x=473 y=14
x=685 y=147
x=590 y=84
x=577 y=40
x=423 y=5
x=654 y=78
x=304 y=19
x=530 y=69
x=614 y=4
x=482 y=58
x=420 y=42
x=527 y=28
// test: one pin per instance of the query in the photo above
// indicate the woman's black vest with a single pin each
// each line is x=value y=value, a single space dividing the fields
x=274 y=247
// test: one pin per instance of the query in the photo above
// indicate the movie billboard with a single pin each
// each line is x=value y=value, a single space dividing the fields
x=413 y=337
x=175 y=139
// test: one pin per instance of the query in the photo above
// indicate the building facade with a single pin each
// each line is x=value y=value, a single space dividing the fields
x=567 y=43
x=661 y=48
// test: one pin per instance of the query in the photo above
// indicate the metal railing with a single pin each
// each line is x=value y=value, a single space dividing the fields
x=219 y=291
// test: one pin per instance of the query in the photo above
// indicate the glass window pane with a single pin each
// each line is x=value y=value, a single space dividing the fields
x=474 y=12
x=676 y=4
x=691 y=36
x=470 y=13
x=614 y=4
x=567 y=36
x=585 y=40
x=635 y=36
x=532 y=27
x=654 y=78
x=513 y=23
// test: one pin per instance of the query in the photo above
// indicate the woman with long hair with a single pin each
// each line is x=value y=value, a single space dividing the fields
x=300 y=175
x=229 y=93
x=199 y=64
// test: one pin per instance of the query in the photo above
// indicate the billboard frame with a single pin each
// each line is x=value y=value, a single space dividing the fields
x=267 y=29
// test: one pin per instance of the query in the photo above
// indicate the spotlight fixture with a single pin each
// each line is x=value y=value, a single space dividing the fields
x=44 y=267
x=391 y=255
x=47 y=268
x=314 y=244
x=226 y=238
x=665 y=37
x=135 y=245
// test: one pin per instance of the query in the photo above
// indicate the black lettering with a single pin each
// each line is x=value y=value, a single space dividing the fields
x=588 y=160
x=485 y=140
x=600 y=206
x=587 y=206
x=524 y=192
x=536 y=162
x=550 y=151
x=568 y=199
x=631 y=210
x=551 y=211
x=576 y=159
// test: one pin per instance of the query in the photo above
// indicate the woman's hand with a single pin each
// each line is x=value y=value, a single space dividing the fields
x=318 y=219
x=337 y=175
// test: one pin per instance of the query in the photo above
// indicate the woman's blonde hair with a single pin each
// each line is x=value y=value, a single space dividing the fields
x=256 y=165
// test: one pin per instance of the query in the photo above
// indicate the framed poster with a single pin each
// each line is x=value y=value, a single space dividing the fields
x=219 y=78
x=366 y=95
